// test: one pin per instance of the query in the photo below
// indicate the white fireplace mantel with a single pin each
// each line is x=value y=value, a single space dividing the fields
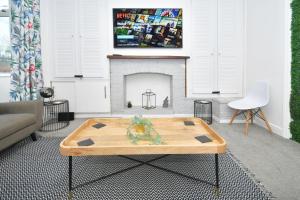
x=122 y=67
x=153 y=57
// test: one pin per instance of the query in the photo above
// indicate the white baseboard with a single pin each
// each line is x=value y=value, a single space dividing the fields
x=275 y=128
x=92 y=115
x=226 y=121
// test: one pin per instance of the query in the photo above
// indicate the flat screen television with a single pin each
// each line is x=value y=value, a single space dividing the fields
x=147 y=28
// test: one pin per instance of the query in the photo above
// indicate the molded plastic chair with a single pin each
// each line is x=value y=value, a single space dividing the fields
x=256 y=98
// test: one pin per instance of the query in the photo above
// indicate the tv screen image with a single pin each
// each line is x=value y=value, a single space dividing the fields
x=147 y=28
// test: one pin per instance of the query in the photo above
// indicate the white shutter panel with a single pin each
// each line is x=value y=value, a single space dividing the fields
x=229 y=46
x=203 y=42
x=64 y=38
x=93 y=39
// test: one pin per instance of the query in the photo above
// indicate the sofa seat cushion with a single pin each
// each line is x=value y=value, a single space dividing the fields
x=11 y=123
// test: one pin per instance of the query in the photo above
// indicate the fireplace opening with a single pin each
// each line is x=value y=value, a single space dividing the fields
x=137 y=84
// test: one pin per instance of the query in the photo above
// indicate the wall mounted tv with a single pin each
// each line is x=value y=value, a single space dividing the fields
x=147 y=28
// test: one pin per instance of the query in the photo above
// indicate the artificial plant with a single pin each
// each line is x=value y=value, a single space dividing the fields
x=142 y=129
x=295 y=72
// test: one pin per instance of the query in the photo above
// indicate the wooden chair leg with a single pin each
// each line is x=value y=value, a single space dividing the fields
x=234 y=116
x=251 y=112
x=248 y=118
x=262 y=115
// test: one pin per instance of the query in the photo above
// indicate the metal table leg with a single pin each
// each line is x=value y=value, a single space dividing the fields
x=70 y=177
x=216 y=184
x=217 y=170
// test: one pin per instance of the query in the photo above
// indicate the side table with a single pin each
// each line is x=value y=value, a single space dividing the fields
x=51 y=120
x=203 y=110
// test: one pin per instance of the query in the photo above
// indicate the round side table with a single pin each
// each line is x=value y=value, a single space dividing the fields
x=203 y=110
x=51 y=120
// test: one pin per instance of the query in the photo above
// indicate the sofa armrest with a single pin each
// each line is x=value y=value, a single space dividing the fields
x=34 y=107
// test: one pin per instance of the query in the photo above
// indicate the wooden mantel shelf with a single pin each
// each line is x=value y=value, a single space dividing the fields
x=145 y=57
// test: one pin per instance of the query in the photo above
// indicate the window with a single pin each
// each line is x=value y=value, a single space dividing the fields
x=5 y=53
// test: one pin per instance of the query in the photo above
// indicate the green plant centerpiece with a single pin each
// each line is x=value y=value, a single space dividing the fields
x=141 y=130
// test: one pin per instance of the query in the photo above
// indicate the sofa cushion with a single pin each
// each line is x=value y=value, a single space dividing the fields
x=11 y=123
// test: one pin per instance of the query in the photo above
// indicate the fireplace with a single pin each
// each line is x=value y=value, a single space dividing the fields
x=165 y=77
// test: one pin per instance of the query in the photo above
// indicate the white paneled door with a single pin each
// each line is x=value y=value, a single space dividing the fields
x=230 y=29
x=92 y=96
x=217 y=47
x=93 y=43
x=80 y=41
x=84 y=95
x=65 y=38
x=80 y=44
x=203 y=37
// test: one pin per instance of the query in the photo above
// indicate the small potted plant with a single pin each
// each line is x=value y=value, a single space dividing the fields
x=141 y=125
x=142 y=129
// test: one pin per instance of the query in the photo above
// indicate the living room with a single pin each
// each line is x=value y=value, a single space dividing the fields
x=178 y=99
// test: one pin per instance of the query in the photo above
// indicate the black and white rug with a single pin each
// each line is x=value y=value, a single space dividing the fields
x=36 y=170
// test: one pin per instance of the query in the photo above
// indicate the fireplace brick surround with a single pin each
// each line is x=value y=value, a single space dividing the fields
x=120 y=68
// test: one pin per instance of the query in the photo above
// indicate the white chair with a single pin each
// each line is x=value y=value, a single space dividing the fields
x=250 y=106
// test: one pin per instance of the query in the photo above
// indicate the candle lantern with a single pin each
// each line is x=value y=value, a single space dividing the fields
x=148 y=100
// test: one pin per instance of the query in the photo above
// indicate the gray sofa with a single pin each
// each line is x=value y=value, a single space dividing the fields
x=19 y=120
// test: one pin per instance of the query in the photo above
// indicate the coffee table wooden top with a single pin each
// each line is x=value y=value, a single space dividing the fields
x=113 y=140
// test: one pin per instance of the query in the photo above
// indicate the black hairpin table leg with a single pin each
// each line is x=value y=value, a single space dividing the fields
x=216 y=184
x=70 y=177
x=217 y=170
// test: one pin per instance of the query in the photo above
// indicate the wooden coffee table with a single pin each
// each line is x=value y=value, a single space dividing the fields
x=179 y=138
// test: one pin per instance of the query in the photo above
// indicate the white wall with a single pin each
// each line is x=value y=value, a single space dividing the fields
x=266 y=60
x=4 y=88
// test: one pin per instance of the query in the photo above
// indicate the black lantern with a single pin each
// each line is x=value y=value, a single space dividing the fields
x=203 y=110
x=148 y=100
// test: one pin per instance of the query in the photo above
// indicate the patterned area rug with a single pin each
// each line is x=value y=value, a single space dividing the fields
x=36 y=170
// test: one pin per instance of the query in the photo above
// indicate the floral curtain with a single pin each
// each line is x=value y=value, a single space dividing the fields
x=26 y=68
